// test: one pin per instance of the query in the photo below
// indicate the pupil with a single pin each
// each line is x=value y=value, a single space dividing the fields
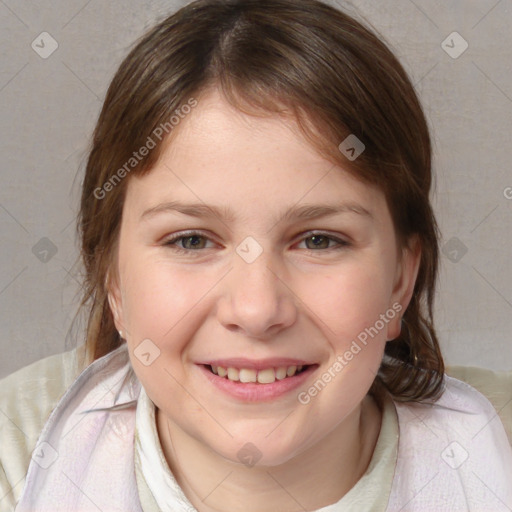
x=194 y=240
x=319 y=240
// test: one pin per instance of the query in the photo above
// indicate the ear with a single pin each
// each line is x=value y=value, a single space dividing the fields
x=405 y=279
x=115 y=302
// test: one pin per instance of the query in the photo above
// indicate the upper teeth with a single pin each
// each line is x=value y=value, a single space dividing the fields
x=266 y=376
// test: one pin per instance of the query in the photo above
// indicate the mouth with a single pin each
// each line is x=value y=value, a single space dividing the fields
x=263 y=381
x=252 y=375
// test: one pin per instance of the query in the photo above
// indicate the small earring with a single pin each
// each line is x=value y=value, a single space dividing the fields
x=121 y=334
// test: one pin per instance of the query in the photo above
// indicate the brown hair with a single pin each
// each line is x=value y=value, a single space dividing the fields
x=273 y=57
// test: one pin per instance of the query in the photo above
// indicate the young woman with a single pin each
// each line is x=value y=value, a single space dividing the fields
x=261 y=258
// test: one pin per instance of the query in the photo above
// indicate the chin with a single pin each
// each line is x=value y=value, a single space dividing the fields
x=258 y=451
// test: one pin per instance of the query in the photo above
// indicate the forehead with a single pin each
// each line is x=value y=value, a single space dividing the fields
x=220 y=155
x=217 y=126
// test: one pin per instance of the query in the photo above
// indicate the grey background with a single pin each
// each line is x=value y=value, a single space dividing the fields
x=48 y=108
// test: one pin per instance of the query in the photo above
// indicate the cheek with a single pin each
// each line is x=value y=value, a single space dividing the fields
x=157 y=298
x=351 y=300
x=350 y=307
x=162 y=304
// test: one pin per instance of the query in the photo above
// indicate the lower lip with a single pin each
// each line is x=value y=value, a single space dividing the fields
x=255 y=392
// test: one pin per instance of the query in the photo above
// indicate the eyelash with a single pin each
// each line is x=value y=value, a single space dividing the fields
x=172 y=242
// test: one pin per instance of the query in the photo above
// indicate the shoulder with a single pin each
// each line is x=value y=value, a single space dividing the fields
x=27 y=398
x=460 y=431
x=495 y=386
x=462 y=414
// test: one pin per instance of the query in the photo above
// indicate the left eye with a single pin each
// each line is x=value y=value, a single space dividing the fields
x=322 y=242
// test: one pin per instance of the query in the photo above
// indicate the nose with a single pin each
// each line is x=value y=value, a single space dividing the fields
x=256 y=301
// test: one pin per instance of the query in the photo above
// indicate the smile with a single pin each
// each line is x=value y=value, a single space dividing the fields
x=264 y=376
x=257 y=381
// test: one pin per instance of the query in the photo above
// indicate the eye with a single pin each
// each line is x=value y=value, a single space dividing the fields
x=185 y=242
x=316 y=241
x=194 y=241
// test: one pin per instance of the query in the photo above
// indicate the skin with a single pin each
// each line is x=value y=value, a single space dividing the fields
x=294 y=300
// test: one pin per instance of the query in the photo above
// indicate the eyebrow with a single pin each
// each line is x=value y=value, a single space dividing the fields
x=304 y=212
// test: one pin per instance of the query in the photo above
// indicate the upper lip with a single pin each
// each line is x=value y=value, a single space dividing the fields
x=257 y=364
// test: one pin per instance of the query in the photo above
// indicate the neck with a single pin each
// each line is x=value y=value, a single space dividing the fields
x=331 y=467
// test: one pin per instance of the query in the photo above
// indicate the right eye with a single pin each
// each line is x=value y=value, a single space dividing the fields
x=187 y=242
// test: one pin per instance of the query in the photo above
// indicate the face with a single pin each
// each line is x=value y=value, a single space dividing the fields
x=244 y=251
